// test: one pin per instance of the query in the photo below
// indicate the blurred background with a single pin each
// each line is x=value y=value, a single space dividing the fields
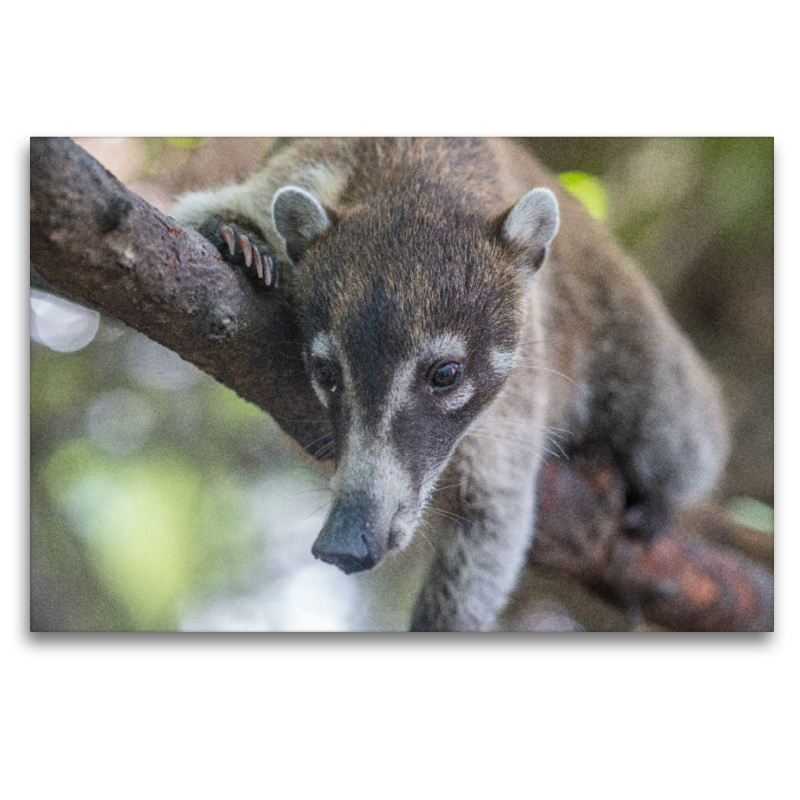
x=161 y=501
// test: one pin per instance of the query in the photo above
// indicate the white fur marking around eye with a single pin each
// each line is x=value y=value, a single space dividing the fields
x=322 y=346
x=502 y=360
x=459 y=396
x=443 y=347
x=327 y=347
x=446 y=345
x=319 y=392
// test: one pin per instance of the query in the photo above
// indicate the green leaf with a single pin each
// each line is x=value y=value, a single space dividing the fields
x=589 y=190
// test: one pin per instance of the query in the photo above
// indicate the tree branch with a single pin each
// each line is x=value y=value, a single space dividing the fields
x=96 y=241
x=675 y=580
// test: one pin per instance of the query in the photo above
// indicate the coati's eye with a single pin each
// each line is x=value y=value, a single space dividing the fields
x=445 y=375
x=325 y=375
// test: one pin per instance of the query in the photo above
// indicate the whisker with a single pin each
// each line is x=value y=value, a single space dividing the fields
x=319 y=439
x=326 y=453
x=558 y=446
x=549 y=436
x=546 y=369
x=530 y=423
x=509 y=429
x=447 y=514
x=522 y=444
x=553 y=452
x=308 y=470
x=307 y=491
x=421 y=529
x=442 y=488
x=317 y=510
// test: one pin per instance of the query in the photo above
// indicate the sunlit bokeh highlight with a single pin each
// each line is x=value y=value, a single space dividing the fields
x=60 y=325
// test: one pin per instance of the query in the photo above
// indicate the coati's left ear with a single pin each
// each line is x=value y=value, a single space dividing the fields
x=530 y=226
x=299 y=218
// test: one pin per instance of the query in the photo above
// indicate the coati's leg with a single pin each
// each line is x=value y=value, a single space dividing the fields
x=671 y=444
x=488 y=526
x=472 y=578
x=238 y=245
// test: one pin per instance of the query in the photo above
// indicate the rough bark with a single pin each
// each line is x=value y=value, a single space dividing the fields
x=94 y=240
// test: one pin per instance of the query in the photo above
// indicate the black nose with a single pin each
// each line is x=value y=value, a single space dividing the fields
x=346 y=541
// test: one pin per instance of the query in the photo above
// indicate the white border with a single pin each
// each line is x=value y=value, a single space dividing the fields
x=658 y=716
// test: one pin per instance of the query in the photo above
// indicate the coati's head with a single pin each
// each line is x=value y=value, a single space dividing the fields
x=411 y=313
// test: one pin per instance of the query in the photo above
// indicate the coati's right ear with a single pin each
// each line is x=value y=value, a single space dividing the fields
x=530 y=226
x=299 y=218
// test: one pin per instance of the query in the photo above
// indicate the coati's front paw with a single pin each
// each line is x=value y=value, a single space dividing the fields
x=243 y=249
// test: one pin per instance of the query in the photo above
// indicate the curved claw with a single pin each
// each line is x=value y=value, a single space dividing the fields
x=268 y=270
x=227 y=234
x=258 y=262
x=247 y=250
x=254 y=253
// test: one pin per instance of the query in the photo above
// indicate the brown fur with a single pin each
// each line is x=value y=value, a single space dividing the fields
x=415 y=248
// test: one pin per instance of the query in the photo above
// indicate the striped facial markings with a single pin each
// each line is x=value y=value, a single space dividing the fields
x=440 y=349
x=373 y=463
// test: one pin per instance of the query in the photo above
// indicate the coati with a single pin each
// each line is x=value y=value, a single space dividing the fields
x=461 y=315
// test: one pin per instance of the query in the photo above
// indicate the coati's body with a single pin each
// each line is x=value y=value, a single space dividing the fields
x=445 y=356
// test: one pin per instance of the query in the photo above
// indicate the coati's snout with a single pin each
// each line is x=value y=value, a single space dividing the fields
x=347 y=540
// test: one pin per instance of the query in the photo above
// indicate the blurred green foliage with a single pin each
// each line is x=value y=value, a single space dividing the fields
x=186 y=142
x=589 y=190
x=751 y=512
x=133 y=518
